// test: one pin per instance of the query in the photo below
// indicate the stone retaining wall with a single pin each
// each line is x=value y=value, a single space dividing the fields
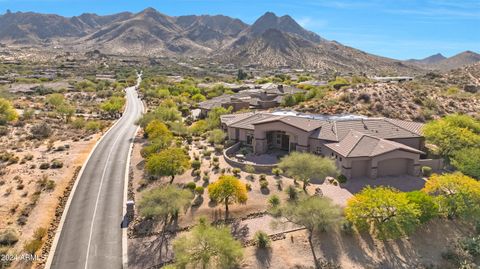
x=259 y=168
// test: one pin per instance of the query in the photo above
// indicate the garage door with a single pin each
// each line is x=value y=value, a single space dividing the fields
x=359 y=168
x=393 y=167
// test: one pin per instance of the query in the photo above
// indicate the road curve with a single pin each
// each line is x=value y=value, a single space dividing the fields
x=91 y=235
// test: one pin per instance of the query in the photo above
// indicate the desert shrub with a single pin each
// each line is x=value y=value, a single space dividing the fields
x=236 y=171
x=196 y=164
x=56 y=164
x=248 y=186
x=261 y=239
x=263 y=184
x=277 y=172
x=342 y=179
x=3 y=131
x=274 y=201
x=199 y=190
x=425 y=203
x=426 y=171
x=471 y=245
x=249 y=169
x=40 y=233
x=292 y=193
x=206 y=153
x=219 y=148
x=32 y=246
x=78 y=123
x=44 y=166
x=191 y=186
x=196 y=173
x=215 y=159
x=93 y=126
x=263 y=177
x=216 y=165
x=41 y=131
x=206 y=178
x=8 y=237
x=346 y=227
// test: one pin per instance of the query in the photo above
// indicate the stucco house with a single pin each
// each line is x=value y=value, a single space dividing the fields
x=267 y=96
x=361 y=146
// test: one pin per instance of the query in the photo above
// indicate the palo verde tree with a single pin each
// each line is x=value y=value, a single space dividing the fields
x=7 y=112
x=467 y=161
x=305 y=166
x=228 y=189
x=453 y=133
x=159 y=138
x=383 y=211
x=113 y=106
x=60 y=105
x=168 y=163
x=457 y=195
x=314 y=213
x=206 y=246
x=164 y=202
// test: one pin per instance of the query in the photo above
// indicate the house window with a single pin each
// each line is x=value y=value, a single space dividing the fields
x=249 y=139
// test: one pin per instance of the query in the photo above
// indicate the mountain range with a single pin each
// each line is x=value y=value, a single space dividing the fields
x=271 y=41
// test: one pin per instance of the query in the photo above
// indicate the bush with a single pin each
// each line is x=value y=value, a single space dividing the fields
x=32 y=246
x=346 y=227
x=41 y=131
x=236 y=171
x=206 y=178
x=426 y=171
x=207 y=153
x=471 y=245
x=263 y=177
x=199 y=190
x=274 y=201
x=261 y=239
x=342 y=179
x=39 y=233
x=196 y=164
x=292 y=193
x=219 y=148
x=425 y=203
x=249 y=169
x=248 y=186
x=191 y=186
x=215 y=159
x=56 y=164
x=277 y=172
x=8 y=237
x=263 y=184
x=196 y=173
x=93 y=126
x=44 y=166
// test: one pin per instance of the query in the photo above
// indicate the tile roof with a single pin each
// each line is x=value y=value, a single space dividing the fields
x=305 y=124
x=336 y=128
x=357 y=144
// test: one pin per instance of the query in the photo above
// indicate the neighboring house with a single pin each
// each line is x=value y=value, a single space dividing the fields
x=361 y=146
x=267 y=96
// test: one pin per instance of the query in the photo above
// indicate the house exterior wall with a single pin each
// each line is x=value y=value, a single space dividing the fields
x=297 y=136
x=414 y=142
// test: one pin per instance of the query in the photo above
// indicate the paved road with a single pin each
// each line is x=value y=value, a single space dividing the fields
x=92 y=236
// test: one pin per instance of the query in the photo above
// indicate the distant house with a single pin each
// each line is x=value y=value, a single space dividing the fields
x=361 y=146
x=267 y=96
x=392 y=79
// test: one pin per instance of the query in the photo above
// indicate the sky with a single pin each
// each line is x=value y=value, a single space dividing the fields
x=400 y=29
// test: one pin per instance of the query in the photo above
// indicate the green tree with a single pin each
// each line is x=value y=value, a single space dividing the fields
x=457 y=195
x=384 y=211
x=467 y=161
x=168 y=163
x=199 y=127
x=164 y=113
x=216 y=136
x=113 y=105
x=305 y=166
x=164 y=202
x=425 y=203
x=156 y=129
x=228 y=189
x=453 y=133
x=288 y=101
x=314 y=213
x=207 y=247
x=7 y=112
x=213 y=118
